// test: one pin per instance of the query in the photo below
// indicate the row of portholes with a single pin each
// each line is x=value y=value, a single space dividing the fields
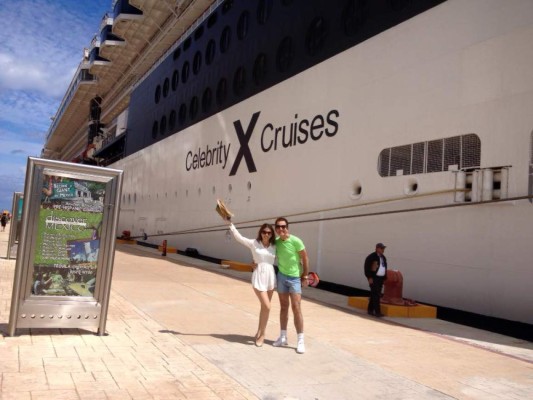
x=199 y=191
x=411 y=187
x=52 y=316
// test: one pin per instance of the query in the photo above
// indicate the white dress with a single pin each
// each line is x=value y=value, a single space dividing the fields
x=263 y=277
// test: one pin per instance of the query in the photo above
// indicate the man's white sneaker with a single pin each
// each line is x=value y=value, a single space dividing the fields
x=281 y=341
x=301 y=347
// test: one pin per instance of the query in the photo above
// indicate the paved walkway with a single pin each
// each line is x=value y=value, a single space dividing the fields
x=182 y=329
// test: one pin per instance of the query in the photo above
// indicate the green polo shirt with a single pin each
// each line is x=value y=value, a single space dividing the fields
x=288 y=255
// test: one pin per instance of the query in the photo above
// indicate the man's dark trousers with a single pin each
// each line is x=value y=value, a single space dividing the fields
x=374 y=306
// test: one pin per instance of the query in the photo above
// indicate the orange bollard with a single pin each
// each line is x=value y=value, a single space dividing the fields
x=164 y=248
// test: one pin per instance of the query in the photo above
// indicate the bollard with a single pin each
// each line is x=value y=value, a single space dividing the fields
x=164 y=248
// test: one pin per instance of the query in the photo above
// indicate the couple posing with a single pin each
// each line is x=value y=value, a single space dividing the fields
x=291 y=253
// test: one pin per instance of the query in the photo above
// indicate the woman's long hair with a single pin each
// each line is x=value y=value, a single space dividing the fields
x=272 y=236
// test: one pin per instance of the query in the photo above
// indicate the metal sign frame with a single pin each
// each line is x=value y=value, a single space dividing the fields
x=15 y=222
x=77 y=197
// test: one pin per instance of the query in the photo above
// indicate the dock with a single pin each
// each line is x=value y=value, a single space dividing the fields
x=181 y=328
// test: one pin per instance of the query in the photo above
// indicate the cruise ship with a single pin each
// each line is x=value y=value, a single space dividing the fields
x=407 y=122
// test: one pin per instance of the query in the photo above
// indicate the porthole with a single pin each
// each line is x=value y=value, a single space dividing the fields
x=357 y=190
x=212 y=20
x=163 y=125
x=134 y=198
x=187 y=193
x=166 y=87
x=242 y=25
x=285 y=54
x=175 y=79
x=411 y=186
x=157 y=95
x=172 y=120
x=182 y=114
x=198 y=33
x=249 y=185
x=176 y=54
x=197 y=63
x=213 y=190
x=222 y=91
x=316 y=36
x=239 y=81
x=185 y=72
x=230 y=188
x=260 y=68
x=187 y=44
x=193 y=109
x=353 y=16
x=264 y=9
x=227 y=6
x=199 y=191
x=225 y=39
x=155 y=129
x=210 y=52
x=206 y=100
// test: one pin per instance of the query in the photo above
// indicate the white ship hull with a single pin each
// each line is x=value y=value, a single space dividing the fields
x=447 y=72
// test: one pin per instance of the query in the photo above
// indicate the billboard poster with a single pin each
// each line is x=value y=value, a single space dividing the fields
x=68 y=237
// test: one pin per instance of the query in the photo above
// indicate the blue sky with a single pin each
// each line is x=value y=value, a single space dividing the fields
x=42 y=45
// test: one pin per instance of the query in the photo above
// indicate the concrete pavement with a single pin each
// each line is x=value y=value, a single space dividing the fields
x=183 y=329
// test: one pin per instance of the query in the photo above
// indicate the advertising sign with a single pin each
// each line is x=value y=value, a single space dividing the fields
x=66 y=249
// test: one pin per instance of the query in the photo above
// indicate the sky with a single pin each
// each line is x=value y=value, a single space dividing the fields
x=42 y=46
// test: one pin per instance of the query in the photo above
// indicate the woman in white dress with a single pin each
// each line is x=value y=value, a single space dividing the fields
x=263 y=249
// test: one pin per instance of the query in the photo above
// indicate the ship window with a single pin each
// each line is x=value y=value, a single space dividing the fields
x=225 y=39
x=227 y=6
x=210 y=52
x=285 y=54
x=471 y=151
x=175 y=80
x=222 y=91
x=264 y=9
x=206 y=100
x=187 y=44
x=260 y=69
x=198 y=33
x=353 y=16
x=417 y=162
x=163 y=125
x=212 y=20
x=197 y=63
x=157 y=95
x=400 y=160
x=166 y=86
x=185 y=72
x=239 y=81
x=433 y=156
x=155 y=129
x=176 y=54
x=193 y=110
x=182 y=114
x=242 y=25
x=316 y=36
x=172 y=120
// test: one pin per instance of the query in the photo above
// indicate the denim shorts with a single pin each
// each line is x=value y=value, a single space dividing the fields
x=289 y=284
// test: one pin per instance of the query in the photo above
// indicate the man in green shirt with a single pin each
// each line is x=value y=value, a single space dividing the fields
x=293 y=265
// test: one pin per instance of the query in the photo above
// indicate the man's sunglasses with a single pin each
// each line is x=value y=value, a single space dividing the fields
x=282 y=226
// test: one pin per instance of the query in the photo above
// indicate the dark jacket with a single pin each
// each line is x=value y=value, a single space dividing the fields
x=373 y=257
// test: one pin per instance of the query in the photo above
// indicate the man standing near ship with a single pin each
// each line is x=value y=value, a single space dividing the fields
x=376 y=273
x=291 y=254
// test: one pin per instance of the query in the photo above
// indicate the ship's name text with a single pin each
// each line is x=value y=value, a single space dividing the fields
x=202 y=158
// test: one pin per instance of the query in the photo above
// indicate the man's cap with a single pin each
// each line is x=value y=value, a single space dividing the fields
x=380 y=245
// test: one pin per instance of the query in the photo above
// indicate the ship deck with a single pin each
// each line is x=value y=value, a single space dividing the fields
x=181 y=328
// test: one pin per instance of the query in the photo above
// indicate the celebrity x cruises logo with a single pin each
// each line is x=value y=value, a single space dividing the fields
x=244 y=140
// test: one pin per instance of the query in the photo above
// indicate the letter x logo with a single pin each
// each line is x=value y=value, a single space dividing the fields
x=244 y=150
